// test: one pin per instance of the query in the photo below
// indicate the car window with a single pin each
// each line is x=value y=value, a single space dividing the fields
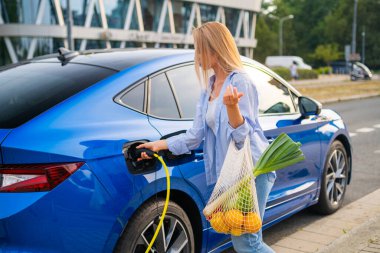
x=274 y=97
x=187 y=89
x=29 y=89
x=162 y=102
x=135 y=97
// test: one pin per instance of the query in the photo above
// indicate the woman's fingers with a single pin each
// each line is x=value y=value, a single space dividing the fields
x=144 y=156
x=235 y=94
x=231 y=96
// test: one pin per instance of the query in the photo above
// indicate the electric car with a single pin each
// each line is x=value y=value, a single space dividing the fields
x=69 y=178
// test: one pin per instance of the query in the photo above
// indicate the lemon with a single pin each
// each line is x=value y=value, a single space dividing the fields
x=234 y=218
x=218 y=224
x=236 y=231
x=252 y=222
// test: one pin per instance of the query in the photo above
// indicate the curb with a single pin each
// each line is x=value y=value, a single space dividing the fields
x=334 y=100
x=341 y=243
x=336 y=232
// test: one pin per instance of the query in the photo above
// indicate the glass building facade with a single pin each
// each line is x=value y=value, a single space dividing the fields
x=29 y=28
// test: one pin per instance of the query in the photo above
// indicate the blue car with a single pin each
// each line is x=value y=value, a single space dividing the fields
x=69 y=178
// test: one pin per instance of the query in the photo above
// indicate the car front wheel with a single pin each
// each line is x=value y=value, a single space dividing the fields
x=334 y=180
x=176 y=233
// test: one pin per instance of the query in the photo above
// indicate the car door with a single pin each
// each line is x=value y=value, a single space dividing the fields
x=172 y=114
x=297 y=185
x=173 y=96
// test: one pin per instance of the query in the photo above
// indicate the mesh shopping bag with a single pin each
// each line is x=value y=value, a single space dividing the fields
x=233 y=207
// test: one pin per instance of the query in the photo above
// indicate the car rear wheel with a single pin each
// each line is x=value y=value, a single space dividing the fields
x=176 y=233
x=334 y=180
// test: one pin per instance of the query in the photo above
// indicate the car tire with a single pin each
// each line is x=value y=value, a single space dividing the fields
x=142 y=225
x=334 y=180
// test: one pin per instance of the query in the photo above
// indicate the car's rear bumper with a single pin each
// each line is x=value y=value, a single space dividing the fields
x=74 y=217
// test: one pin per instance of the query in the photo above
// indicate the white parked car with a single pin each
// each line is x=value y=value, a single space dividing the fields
x=285 y=61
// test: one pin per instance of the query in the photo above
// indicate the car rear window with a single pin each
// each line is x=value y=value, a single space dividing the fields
x=30 y=89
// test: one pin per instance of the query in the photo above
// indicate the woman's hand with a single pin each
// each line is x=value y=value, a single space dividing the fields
x=155 y=146
x=231 y=97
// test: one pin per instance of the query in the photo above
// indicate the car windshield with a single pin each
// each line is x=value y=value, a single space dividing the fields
x=30 y=89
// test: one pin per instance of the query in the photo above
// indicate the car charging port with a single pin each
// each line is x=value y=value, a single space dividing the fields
x=131 y=153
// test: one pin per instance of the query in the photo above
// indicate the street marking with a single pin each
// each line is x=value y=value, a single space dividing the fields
x=377 y=126
x=377 y=151
x=353 y=134
x=364 y=130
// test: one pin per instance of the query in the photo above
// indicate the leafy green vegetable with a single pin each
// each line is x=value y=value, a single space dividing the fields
x=281 y=153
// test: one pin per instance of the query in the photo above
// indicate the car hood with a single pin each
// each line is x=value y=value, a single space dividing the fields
x=3 y=135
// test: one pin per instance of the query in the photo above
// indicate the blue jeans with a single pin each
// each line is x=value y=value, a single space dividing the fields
x=249 y=243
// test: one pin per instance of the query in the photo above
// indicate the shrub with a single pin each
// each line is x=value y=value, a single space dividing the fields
x=307 y=74
x=302 y=73
x=324 y=70
x=283 y=72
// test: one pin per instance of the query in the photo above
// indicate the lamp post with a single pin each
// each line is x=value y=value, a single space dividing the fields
x=281 y=21
x=69 y=21
x=353 y=43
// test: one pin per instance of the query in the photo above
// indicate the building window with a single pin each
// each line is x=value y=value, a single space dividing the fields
x=116 y=12
x=4 y=55
x=95 y=44
x=151 y=12
x=232 y=18
x=26 y=11
x=181 y=13
x=208 y=12
x=78 y=9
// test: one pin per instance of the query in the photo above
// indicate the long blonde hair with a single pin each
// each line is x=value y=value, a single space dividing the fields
x=214 y=38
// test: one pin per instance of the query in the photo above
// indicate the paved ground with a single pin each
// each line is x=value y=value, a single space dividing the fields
x=354 y=228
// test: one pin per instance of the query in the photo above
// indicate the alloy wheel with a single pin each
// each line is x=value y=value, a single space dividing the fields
x=173 y=237
x=336 y=180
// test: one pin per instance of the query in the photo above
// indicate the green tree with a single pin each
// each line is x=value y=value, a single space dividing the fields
x=266 y=44
x=327 y=53
x=339 y=27
x=321 y=22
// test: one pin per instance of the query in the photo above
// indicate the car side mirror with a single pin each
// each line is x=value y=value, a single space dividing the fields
x=309 y=106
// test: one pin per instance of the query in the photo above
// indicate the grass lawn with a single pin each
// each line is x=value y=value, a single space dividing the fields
x=343 y=90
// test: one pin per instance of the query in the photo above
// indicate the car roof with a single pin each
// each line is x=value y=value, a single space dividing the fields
x=116 y=59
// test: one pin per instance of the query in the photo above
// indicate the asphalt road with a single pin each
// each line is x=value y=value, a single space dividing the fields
x=362 y=118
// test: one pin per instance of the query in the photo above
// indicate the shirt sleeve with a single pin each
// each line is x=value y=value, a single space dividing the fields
x=248 y=106
x=183 y=143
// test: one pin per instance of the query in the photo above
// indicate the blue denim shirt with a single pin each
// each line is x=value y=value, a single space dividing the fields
x=216 y=145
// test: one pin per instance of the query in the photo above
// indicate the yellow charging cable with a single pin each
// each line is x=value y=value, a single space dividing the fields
x=165 y=205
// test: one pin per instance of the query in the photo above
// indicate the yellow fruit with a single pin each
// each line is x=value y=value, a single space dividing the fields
x=218 y=224
x=234 y=218
x=236 y=231
x=252 y=223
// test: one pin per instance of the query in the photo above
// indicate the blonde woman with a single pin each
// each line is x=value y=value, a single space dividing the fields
x=227 y=109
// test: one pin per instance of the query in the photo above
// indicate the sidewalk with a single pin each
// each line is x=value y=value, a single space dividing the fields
x=354 y=228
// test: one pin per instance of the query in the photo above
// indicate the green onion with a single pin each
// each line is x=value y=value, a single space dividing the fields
x=281 y=153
